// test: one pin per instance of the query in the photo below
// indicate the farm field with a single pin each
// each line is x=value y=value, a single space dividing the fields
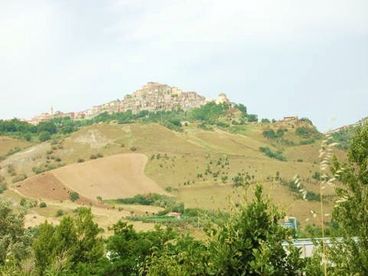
x=196 y=166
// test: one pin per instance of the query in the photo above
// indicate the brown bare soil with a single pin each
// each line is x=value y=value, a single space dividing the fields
x=116 y=176
x=46 y=186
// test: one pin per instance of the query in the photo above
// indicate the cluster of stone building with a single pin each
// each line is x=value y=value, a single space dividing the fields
x=151 y=97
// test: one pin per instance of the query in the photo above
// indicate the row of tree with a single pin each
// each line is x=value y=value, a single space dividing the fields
x=250 y=242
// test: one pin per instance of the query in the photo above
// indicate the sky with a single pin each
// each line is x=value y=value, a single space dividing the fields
x=288 y=57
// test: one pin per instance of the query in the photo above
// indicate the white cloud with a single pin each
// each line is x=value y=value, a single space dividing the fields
x=206 y=20
x=78 y=53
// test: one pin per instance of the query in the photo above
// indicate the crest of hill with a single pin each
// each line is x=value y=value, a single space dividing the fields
x=152 y=97
x=343 y=135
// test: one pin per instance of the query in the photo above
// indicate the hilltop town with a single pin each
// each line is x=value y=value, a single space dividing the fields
x=152 y=96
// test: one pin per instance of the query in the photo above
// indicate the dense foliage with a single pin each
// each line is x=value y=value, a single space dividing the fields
x=351 y=212
x=250 y=242
x=72 y=247
x=343 y=137
x=42 y=132
x=271 y=134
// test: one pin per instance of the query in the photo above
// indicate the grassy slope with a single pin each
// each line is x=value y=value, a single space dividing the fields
x=7 y=144
x=186 y=154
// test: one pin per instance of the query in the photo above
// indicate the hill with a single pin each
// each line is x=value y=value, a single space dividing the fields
x=205 y=156
x=201 y=167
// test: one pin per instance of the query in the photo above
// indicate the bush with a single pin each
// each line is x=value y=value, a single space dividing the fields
x=74 y=196
x=167 y=202
x=209 y=112
x=23 y=202
x=304 y=132
x=2 y=188
x=43 y=205
x=317 y=176
x=272 y=154
x=80 y=160
x=59 y=213
x=205 y=126
x=19 y=178
x=271 y=134
x=93 y=156
x=252 y=118
x=133 y=149
x=44 y=136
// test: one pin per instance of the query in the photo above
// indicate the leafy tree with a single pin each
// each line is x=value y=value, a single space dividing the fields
x=185 y=256
x=47 y=126
x=252 y=118
x=252 y=243
x=73 y=246
x=351 y=212
x=210 y=112
x=271 y=134
x=129 y=249
x=14 y=240
x=242 y=108
x=44 y=136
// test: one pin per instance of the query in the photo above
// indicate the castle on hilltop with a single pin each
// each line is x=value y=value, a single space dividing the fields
x=152 y=97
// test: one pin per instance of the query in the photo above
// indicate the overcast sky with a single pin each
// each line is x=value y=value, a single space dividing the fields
x=286 y=57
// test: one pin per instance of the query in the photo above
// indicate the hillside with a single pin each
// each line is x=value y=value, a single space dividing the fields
x=9 y=146
x=204 y=168
x=116 y=176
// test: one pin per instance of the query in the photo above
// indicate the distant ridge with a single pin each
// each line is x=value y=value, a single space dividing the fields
x=360 y=122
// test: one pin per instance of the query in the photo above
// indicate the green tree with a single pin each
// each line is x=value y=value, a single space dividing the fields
x=14 y=239
x=44 y=136
x=185 y=256
x=253 y=242
x=351 y=211
x=73 y=246
x=129 y=249
x=250 y=242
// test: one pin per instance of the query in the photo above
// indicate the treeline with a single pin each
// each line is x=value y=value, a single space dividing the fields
x=250 y=242
x=209 y=114
x=42 y=132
